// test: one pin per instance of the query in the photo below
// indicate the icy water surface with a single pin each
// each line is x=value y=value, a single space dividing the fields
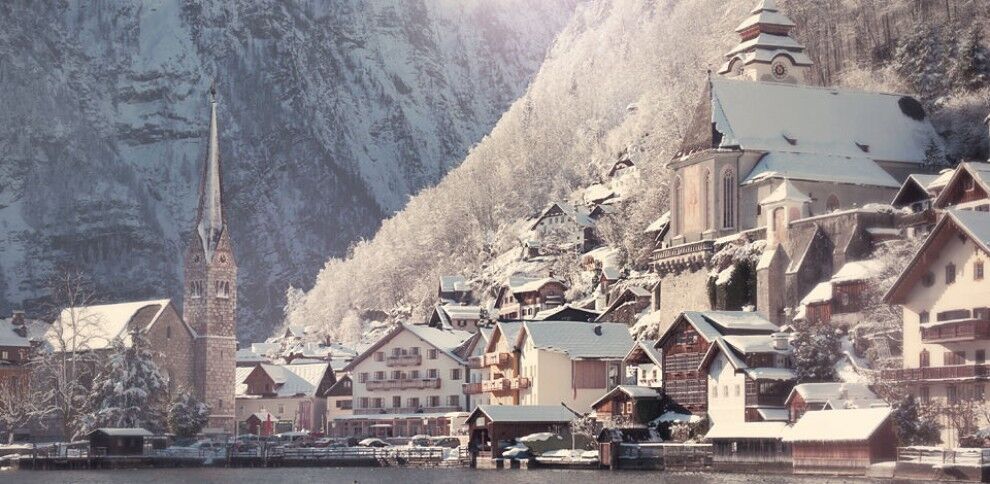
x=394 y=475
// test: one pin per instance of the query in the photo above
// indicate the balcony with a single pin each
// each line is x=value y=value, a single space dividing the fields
x=404 y=360
x=935 y=373
x=403 y=384
x=680 y=257
x=472 y=388
x=968 y=329
x=518 y=383
x=505 y=384
x=405 y=410
x=498 y=358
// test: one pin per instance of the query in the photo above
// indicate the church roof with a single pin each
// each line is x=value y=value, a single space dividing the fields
x=808 y=120
x=95 y=327
x=854 y=170
x=786 y=191
x=210 y=220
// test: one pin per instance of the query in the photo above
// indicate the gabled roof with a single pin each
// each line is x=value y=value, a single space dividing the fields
x=578 y=340
x=18 y=337
x=507 y=330
x=122 y=432
x=835 y=391
x=629 y=294
x=978 y=171
x=567 y=312
x=580 y=215
x=341 y=387
x=786 y=191
x=916 y=184
x=452 y=343
x=632 y=391
x=648 y=348
x=858 y=270
x=773 y=117
x=747 y=430
x=454 y=284
x=847 y=425
x=713 y=324
x=100 y=324
x=291 y=380
x=523 y=413
x=974 y=225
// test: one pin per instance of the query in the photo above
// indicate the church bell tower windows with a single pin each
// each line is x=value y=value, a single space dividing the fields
x=728 y=199
x=221 y=289
x=196 y=289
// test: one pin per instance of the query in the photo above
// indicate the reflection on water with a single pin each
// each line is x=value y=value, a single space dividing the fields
x=395 y=475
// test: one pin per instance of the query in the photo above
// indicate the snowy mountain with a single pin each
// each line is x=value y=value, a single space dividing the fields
x=332 y=113
x=625 y=77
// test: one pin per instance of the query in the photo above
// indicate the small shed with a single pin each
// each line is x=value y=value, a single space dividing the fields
x=261 y=423
x=630 y=404
x=495 y=426
x=842 y=441
x=118 y=441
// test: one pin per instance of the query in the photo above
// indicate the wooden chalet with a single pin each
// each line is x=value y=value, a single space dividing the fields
x=627 y=405
x=521 y=297
x=967 y=189
x=842 y=441
x=626 y=306
x=684 y=344
x=823 y=396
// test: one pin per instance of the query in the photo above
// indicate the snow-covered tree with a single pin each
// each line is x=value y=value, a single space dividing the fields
x=972 y=64
x=130 y=391
x=350 y=329
x=187 y=415
x=924 y=57
x=19 y=405
x=817 y=348
x=914 y=425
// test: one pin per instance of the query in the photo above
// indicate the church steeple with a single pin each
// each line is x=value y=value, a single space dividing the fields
x=210 y=223
x=766 y=51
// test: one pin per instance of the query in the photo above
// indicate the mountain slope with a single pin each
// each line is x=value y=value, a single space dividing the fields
x=332 y=113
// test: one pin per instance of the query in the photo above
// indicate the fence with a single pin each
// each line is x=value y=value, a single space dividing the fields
x=939 y=456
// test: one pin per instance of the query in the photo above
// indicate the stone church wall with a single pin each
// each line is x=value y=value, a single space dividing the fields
x=686 y=291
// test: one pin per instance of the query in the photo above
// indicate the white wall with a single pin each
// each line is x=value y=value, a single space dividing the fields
x=726 y=392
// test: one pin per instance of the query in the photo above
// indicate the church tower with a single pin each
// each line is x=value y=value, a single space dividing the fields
x=766 y=51
x=210 y=298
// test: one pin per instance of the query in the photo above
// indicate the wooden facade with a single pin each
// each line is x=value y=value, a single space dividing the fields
x=682 y=354
x=852 y=457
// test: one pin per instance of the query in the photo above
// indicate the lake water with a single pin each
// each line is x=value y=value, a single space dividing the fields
x=395 y=475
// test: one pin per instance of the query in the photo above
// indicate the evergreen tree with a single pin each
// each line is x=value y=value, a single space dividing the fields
x=130 y=391
x=816 y=351
x=187 y=415
x=924 y=58
x=972 y=64
x=913 y=426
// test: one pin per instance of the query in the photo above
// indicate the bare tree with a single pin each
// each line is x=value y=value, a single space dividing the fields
x=66 y=366
x=18 y=405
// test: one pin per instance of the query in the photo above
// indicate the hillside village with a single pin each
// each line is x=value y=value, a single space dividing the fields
x=810 y=303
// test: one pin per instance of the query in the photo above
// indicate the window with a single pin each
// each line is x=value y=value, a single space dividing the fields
x=953 y=358
x=923 y=317
x=728 y=199
x=678 y=209
x=396 y=352
x=168 y=333
x=978 y=271
x=376 y=402
x=431 y=354
x=737 y=389
x=928 y=280
x=434 y=401
x=968 y=184
x=454 y=401
x=923 y=395
x=221 y=289
x=714 y=392
x=281 y=409
x=413 y=402
x=414 y=375
x=455 y=374
x=978 y=392
x=924 y=359
x=951 y=395
x=396 y=375
x=362 y=378
x=950 y=274
x=725 y=390
x=364 y=402
x=705 y=190
x=219 y=404
x=980 y=357
x=396 y=401
x=379 y=375
x=414 y=350
x=431 y=373
x=380 y=355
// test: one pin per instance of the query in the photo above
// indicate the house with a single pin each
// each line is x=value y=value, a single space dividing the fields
x=627 y=306
x=967 y=188
x=750 y=446
x=749 y=378
x=566 y=226
x=919 y=190
x=629 y=406
x=645 y=364
x=454 y=289
x=946 y=327
x=18 y=338
x=494 y=427
x=840 y=299
x=478 y=371
x=688 y=340
x=523 y=296
x=292 y=393
x=464 y=318
x=823 y=396
x=623 y=166
x=117 y=441
x=340 y=398
x=261 y=424
x=842 y=441
x=414 y=371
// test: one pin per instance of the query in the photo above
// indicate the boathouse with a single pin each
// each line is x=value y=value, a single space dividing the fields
x=494 y=427
x=842 y=441
x=117 y=441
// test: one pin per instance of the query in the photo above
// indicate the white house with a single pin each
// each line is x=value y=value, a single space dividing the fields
x=292 y=393
x=749 y=378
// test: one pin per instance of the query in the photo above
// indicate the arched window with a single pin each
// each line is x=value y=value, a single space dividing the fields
x=678 y=208
x=728 y=199
x=705 y=194
x=832 y=203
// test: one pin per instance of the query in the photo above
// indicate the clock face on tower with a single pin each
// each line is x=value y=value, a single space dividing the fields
x=779 y=70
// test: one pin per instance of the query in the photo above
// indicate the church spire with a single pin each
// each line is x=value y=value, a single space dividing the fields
x=211 y=222
x=766 y=51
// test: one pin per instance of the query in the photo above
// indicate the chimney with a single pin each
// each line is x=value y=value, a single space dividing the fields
x=598 y=329
x=17 y=319
x=781 y=341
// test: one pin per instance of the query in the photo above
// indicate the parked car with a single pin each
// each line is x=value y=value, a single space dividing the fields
x=373 y=442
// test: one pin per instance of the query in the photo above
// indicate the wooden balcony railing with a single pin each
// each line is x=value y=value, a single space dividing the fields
x=937 y=373
x=505 y=384
x=406 y=383
x=498 y=358
x=404 y=360
x=970 y=329
x=471 y=388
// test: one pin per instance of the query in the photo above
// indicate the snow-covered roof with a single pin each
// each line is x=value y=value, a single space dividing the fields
x=633 y=391
x=786 y=191
x=240 y=374
x=210 y=220
x=462 y=312
x=767 y=373
x=822 y=292
x=447 y=341
x=454 y=284
x=290 y=380
x=712 y=324
x=823 y=121
x=10 y=337
x=551 y=313
x=524 y=413
x=597 y=193
x=854 y=170
x=100 y=324
x=522 y=284
x=859 y=270
x=765 y=17
x=746 y=430
x=672 y=416
x=823 y=392
x=772 y=414
x=648 y=347
x=580 y=340
x=845 y=425
x=123 y=432
x=659 y=223
x=753 y=343
x=578 y=214
x=245 y=355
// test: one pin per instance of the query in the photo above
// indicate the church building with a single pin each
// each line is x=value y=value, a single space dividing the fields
x=765 y=148
x=197 y=349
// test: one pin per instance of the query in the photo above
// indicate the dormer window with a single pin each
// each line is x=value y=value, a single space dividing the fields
x=865 y=148
x=789 y=138
x=968 y=184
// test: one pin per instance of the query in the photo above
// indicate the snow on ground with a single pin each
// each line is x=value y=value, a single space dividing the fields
x=850 y=368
